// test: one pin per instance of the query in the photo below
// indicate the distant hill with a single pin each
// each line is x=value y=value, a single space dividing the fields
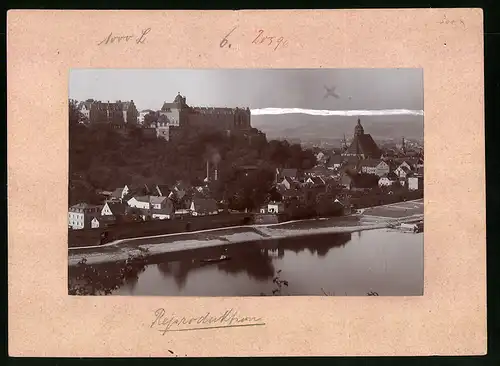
x=306 y=127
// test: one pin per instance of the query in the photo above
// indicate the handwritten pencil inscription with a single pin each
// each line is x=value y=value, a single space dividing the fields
x=260 y=37
x=113 y=38
x=229 y=319
x=445 y=20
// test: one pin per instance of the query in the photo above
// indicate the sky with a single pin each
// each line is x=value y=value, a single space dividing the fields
x=304 y=89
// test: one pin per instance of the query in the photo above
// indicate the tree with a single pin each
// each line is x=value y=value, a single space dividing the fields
x=74 y=114
x=150 y=118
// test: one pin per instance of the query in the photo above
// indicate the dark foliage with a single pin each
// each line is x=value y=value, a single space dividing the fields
x=102 y=158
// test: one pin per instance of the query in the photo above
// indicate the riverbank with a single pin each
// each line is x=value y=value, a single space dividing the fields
x=161 y=244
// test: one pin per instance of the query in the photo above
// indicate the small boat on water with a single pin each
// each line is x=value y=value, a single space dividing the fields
x=215 y=260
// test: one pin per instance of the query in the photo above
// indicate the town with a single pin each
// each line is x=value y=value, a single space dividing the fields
x=222 y=189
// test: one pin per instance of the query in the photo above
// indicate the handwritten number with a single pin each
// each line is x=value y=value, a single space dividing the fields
x=225 y=40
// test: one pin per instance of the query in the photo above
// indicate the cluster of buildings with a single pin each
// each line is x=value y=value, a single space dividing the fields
x=169 y=121
x=141 y=203
x=360 y=166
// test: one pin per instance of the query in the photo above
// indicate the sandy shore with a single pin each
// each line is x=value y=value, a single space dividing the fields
x=161 y=244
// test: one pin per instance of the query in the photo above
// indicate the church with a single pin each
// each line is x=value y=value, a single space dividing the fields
x=362 y=146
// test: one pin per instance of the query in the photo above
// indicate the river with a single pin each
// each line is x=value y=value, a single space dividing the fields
x=387 y=262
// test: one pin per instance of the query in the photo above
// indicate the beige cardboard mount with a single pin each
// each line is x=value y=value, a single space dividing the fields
x=449 y=319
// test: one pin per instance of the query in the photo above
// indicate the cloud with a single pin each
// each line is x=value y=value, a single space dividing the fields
x=323 y=112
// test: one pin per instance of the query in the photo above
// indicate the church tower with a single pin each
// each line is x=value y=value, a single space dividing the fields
x=359 y=130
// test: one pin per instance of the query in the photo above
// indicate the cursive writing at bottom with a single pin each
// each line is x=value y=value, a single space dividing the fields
x=230 y=318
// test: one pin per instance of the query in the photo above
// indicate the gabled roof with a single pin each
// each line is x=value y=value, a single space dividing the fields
x=364 y=144
x=390 y=176
x=155 y=200
x=404 y=168
x=317 y=180
x=117 y=208
x=141 y=198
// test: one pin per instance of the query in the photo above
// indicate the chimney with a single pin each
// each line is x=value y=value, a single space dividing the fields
x=215 y=174
x=208 y=172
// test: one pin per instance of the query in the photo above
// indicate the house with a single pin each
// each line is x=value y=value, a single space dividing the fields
x=275 y=207
x=374 y=166
x=157 y=203
x=404 y=163
x=369 y=166
x=335 y=162
x=142 y=202
x=315 y=181
x=102 y=221
x=402 y=171
x=289 y=183
x=81 y=215
x=163 y=213
x=387 y=180
x=113 y=209
x=415 y=183
x=204 y=206
x=150 y=202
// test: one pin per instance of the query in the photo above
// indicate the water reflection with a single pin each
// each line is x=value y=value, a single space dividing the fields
x=374 y=261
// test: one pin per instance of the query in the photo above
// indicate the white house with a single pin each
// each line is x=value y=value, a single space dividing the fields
x=102 y=221
x=142 y=202
x=415 y=183
x=275 y=207
x=386 y=181
x=81 y=215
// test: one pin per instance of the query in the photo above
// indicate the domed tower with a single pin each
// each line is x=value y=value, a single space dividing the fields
x=358 y=130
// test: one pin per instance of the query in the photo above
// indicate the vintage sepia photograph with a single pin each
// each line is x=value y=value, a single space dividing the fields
x=246 y=182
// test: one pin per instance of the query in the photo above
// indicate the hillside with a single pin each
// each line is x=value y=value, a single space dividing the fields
x=304 y=127
x=102 y=159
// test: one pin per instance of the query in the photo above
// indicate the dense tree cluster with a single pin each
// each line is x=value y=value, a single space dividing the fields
x=102 y=158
